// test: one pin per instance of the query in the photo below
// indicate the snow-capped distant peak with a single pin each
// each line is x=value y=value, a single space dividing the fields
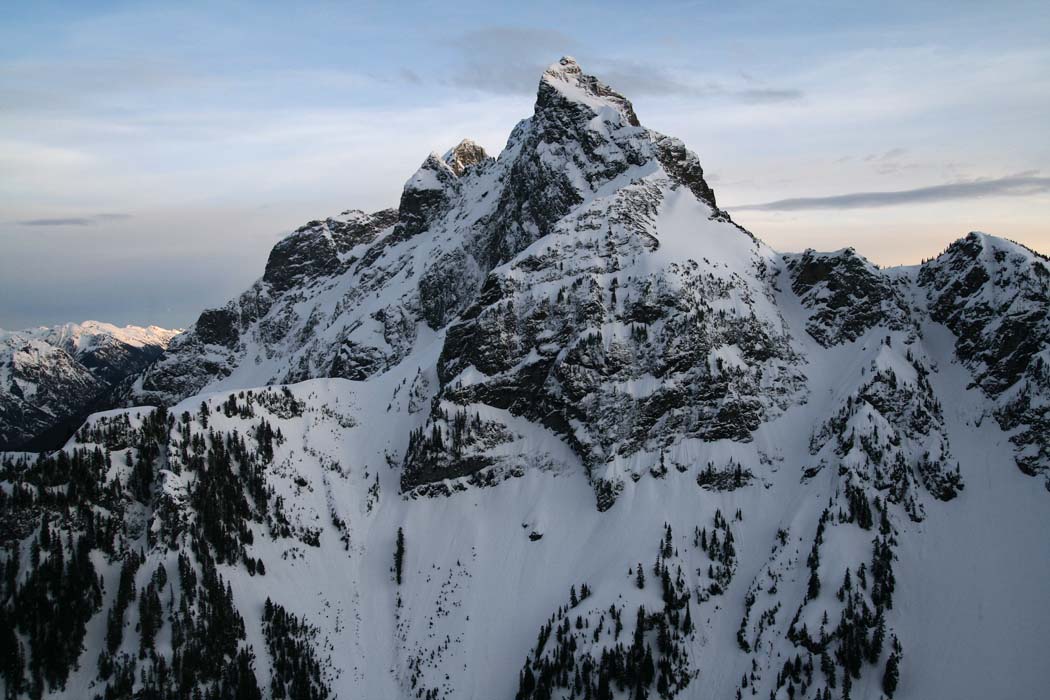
x=83 y=336
x=51 y=374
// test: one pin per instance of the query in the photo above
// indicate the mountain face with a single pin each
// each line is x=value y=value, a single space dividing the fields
x=994 y=296
x=557 y=427
x=52 y=377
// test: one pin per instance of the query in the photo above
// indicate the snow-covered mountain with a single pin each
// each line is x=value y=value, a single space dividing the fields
x=557 y=427
x=51 y=377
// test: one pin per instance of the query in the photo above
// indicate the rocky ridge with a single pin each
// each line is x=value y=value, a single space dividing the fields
x=559 y=428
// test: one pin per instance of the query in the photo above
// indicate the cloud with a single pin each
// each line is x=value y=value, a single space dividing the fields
x=889 y=162
x=632 y=78
x=55 y=84
x=410 y=76
x=510 y=60
x=70 y=221
x=1019 y=185
x=891 y=154
x=75 y=220
x=758 y=91
x=766 y=94
x=506 y=59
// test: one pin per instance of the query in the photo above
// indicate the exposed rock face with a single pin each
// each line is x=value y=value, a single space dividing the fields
x=425 y=197
x=264 y=332
x=600 y=335
x=556 y=274
x=460 y=216
x=583 y=89
x=322 y=248
x=994 y=295
x=559 y=428
x=846 y=295
x=51 y=378
x=464 y=156
x=43 y=385
x=218 y=327
x=683 y=165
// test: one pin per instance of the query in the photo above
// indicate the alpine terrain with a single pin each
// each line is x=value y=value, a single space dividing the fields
x=555 y=427
x=52 y=378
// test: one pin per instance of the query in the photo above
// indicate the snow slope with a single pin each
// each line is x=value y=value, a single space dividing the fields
x=630 y=451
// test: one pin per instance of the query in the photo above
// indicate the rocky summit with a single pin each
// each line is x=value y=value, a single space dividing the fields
x=556 y=427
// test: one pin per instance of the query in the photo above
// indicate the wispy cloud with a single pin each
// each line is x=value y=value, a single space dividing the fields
x=891 y=154
x=1018 y=185
x=75 y=220
x=632 y=78
x=889 y=162
x=509 y=60
x=410 y=76
x=766 y=94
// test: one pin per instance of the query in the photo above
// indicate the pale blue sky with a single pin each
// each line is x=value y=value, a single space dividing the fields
x=151 y=153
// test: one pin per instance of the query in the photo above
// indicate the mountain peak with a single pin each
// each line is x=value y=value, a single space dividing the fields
x=535 y=373
x=565 y=81
x=564 y=65
x=990 y=248
x=464 y=155
x=434 y=174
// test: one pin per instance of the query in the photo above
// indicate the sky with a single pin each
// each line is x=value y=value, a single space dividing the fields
x=152 y=153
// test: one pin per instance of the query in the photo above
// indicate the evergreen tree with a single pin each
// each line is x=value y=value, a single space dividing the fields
x=877 y=638
x=891 y=675
x=399 y=555
x=813 y=588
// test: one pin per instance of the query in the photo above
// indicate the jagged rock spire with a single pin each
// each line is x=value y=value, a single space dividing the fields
x=465 y=155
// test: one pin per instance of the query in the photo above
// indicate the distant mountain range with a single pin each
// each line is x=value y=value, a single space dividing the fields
x=51 y=378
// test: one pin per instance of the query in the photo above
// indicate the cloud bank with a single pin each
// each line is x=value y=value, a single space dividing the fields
x=74 y=220
x=1011 y=186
